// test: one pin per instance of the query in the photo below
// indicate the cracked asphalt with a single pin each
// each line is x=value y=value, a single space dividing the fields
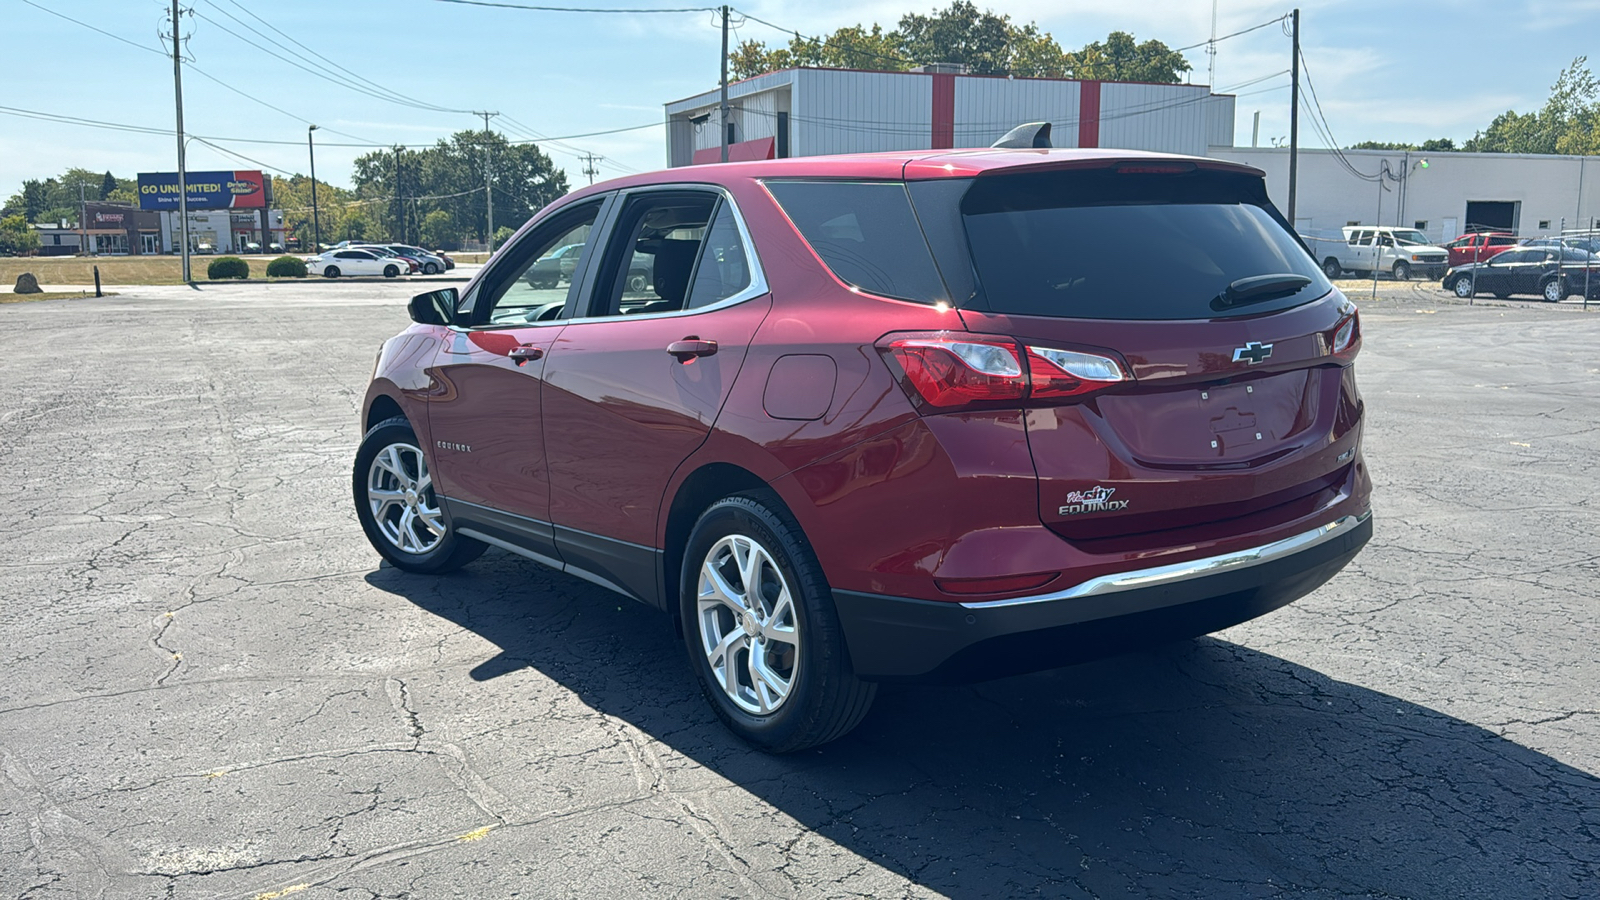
x=211 y=688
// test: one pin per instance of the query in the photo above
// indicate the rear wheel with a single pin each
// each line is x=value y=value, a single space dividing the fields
x=762 y=634
x=331 y=272
x=1554 y=290
x=398 y=507
x=391 y=271
x=1402 y=271
x=1330 y=267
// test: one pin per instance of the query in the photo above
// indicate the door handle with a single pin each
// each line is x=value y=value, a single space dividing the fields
x=523 y=353
x=690 y=347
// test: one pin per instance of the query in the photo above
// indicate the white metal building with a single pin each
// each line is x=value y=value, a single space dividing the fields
x=813 y=112
x=1526 y=194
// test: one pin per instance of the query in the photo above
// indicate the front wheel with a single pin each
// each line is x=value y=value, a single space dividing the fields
x=398 y=507
x=1331 y=268
x=762 y=633
x=391 y=271
x=430 y=269
x=1554 y=290
x=1463 y=287
x=1402 y=271
x=331 y=272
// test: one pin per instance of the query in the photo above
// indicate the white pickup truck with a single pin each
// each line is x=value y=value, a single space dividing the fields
x=1400 y=252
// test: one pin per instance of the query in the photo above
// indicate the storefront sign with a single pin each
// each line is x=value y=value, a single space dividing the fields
x=102 y=218
x=206 y=190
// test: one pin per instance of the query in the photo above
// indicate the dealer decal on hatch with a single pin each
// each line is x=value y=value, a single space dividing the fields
x=1095 y=499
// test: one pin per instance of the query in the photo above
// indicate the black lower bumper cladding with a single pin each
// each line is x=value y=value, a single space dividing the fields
x=900 y=639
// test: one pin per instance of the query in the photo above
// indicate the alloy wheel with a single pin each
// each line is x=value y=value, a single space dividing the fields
x=401 y=498
x=748 y=628
x=1464 y=287
x=1554 y=291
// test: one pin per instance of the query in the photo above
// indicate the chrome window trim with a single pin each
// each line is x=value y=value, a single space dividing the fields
x=758 y=276
x=1185 y=571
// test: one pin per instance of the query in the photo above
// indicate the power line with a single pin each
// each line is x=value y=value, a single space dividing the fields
x=1326 y=130
x=575 y=9
x=1234 y=35
x=116 y=37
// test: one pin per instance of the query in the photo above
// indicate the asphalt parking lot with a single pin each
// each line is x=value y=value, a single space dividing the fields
x=211 y=689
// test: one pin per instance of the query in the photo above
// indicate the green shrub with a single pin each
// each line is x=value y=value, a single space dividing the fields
x=227 y=267
x=287 y=267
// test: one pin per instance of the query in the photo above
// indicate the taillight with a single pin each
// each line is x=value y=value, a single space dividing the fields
x=1069 y=373
x=1347 y=338
x=955 y=370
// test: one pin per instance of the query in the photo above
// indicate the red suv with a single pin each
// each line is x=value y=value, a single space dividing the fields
x=939 y=415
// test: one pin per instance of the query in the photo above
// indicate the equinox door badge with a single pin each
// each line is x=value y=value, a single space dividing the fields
x=1095 y=499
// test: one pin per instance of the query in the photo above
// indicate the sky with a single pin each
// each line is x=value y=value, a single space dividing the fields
x=1391 y=71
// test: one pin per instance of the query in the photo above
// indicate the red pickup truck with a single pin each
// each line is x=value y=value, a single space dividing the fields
x=1479 y=246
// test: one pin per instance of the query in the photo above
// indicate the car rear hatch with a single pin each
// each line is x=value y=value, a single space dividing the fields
x=1189 y=363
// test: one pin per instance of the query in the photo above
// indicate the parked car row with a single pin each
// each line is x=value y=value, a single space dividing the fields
x=1547 y=269
x=388 y=260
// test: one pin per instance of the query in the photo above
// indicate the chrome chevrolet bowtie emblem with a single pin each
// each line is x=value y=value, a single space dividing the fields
x=1252 y=353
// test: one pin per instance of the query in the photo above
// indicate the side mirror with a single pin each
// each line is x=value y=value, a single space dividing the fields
x=434 y=307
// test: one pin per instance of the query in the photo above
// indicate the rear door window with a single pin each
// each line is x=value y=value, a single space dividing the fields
x=866 y=234
x=1108 y=245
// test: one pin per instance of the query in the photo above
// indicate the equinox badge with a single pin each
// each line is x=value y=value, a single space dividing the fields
x=1252 y=353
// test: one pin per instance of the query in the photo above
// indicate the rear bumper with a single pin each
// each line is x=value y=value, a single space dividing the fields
x=900 y=639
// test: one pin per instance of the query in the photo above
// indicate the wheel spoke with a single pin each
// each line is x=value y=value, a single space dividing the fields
x=750 y=572
x=770 y=688
x=714 y=587
x=432 y=520
x=721 y=659
x=780 y=625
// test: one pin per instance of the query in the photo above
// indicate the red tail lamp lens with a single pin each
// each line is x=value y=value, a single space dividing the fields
x=951 y=372
x=1347 y=339
x=1002 y=585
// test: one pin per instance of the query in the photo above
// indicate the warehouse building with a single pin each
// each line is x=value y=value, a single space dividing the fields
x=814 y=112
x=1444 y=195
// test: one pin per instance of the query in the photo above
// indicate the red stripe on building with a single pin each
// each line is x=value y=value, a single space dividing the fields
x=1089 y=114
x=944 y=112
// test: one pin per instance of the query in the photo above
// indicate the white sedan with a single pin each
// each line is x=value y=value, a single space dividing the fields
x=354 y=261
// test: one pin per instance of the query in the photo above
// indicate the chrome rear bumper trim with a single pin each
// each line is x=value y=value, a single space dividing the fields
x=1185 y=571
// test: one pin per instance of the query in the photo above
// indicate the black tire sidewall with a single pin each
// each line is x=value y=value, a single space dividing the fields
x=814 y=618
x=330 y=272
x=450 y=553
x=391 y=271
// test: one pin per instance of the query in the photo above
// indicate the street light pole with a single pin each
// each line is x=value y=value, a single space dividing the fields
x=83 y=221
x=722 y=106
x=316 y=224
x=488 y=186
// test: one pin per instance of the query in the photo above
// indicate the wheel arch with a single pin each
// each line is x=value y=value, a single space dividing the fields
x=695 y=494
x=382 y=407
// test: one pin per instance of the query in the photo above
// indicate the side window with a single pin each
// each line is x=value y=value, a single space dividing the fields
x=1457 y=244
x=1502 y=241
x=651 y=259
x=866 y=234
x=1362 y=239
x=532 y=281
x=723 y=269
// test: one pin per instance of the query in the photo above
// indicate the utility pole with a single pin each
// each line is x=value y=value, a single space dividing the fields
x=1294 y=117
x=83 y=221
x=589 y=159
x=1211 y=48
x=722 y=115
x=183 y=174
x=316 y=224
x=1255 y=131
x=488 y=184
x=399 y=205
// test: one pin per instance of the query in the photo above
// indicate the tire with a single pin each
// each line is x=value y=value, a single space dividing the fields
x=391 y=271
x=1402 y=271
x=1463 y=287
x=1554 y=290
x=637 y=283
x=430 y=269
x=331 y=272
x=821 y=699
x=408 y=528
x=1331 y=268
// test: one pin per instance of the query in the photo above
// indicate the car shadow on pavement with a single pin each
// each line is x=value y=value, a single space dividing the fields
x=1203 y=769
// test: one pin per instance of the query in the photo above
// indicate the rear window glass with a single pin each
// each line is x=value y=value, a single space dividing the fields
x=1104 y=245
x=866 y=234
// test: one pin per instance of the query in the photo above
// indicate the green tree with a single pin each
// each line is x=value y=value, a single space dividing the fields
x=1121 y=58
x=960 y=34
x=33 y=199
x=108 y=185
x=1569 y=121
x=439 y=231
x=449 y=176
x=17 y=236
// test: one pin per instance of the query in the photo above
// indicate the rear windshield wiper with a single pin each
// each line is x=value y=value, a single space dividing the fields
x=1257 y=288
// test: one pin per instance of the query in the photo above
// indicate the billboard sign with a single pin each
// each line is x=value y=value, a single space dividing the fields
x=242 y=189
